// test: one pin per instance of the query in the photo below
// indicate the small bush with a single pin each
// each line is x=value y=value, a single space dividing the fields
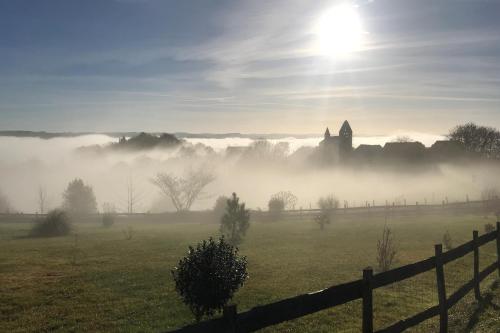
x=128 y=233
x=488 y=227
x=209 y=275
x=322 y=219
x=276 y=207
x=386 y=250
x=56 y=223
x=328 y=203
x=219 y=208
x=327 y=206
x=108 y=219
x=447 y=241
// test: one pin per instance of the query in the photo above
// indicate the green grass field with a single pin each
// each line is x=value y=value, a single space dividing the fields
x=98 y=281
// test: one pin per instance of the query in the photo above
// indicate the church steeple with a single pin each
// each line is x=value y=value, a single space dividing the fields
x=327 y=133
x=345 y=130
x=345 y=135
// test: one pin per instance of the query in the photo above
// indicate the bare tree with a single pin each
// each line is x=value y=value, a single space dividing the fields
x=490 y=193
x=42 y=199
x=403 y=138
x=263 y=150
x=133 y=197
x=183 y=191
x=386 y=250
x=288 y=198
x=108 y=208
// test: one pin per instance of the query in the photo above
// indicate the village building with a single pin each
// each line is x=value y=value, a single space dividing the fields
x=446 y=149
x=337 y=149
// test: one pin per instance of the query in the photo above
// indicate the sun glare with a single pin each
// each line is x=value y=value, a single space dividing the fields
x=338 y=31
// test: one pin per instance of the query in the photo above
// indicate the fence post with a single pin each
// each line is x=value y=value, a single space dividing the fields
x=477 y=291
x=367 y=300
x=498 y=247
x=443 y=308
x=229 y=315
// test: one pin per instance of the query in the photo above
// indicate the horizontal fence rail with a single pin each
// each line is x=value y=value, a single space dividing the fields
x=200 y=216
x=278 y=312
x=467 y=207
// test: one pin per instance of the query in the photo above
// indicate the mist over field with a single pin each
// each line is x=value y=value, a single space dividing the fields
x=30 y=163
x=241 y=166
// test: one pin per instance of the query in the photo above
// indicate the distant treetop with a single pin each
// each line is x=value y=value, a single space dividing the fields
x=477 y=139
x=79 y=198
x=148 y=141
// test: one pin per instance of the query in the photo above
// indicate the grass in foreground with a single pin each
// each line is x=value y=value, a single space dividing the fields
x=99 y=281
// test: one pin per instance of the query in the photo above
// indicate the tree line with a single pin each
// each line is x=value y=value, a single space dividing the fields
x=480 y=140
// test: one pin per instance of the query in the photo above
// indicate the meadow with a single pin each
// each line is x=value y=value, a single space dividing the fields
x=98 y=280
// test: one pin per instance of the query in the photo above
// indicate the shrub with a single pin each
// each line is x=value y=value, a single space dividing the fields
x=322 y=219
x=276 y=207
x=488 y=227
x=128 y=233
x=328 y=203
x=207 y=278
x=108 y=219
x=386 y=250
x=235 y=222
x=219 y=208
x=447 y=241
x=56 y=223
x=327 y=206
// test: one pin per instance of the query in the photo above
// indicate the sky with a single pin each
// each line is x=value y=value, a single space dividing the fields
x=248 y=66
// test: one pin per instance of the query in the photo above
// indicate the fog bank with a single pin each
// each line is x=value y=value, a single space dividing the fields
x=28 y=163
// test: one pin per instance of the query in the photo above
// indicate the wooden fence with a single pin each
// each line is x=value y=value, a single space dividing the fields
x=263 y=316
x=208 y=216
x=390 y=210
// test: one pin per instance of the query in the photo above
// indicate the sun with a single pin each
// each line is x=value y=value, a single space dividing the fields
x=338 y=31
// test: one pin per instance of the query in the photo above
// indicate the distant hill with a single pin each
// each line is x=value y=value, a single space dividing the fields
x=181 y=135
x=41 y=134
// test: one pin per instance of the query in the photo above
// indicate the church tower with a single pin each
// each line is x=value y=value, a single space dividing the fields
x=345 y=135
x=327 y=134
